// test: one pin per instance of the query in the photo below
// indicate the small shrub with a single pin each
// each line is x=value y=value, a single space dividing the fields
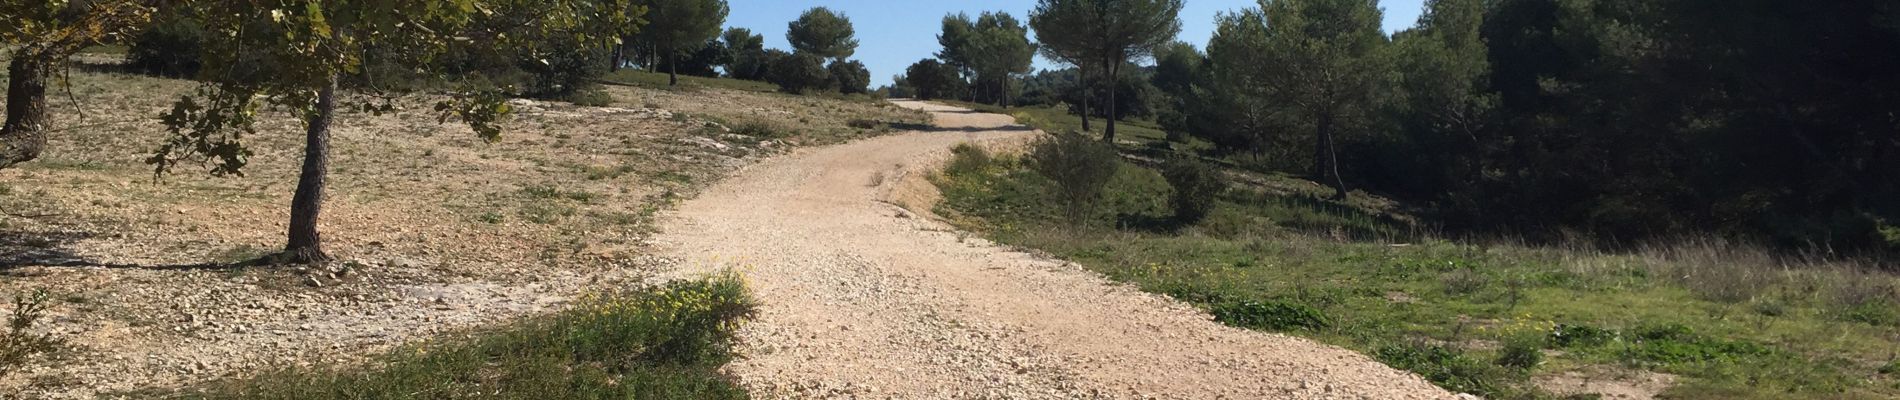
x=1447 y=367
x=863 y=124
x=1463 y=281
x=1269 y=315
x=1080 y=167
x=967 y=159
x=1892 y=367
x=492 y=217
x=1522 y=352
x=19 y=345
x=759 y=129
x=1570 y=336
x=1197 y=187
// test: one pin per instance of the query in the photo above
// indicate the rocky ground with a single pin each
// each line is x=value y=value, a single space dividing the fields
x=437 y=231
x=865 y=295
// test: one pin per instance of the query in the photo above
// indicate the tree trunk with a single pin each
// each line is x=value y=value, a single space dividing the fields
x=24 y=134
x=306 y=245
x=1329 y=158
x=1082 y=74
x=1114 y=80
x=619 y=57
x=672 y=68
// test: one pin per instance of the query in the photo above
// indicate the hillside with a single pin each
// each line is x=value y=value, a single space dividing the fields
x=438 y=232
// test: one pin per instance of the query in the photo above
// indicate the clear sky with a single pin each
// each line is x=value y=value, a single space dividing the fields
x=892 y=34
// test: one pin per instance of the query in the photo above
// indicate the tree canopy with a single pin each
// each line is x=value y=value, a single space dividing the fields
x=1104 y=35
x=681 y=27
x=824 y=33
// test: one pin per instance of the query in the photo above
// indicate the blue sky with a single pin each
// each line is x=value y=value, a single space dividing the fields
x=892 y=34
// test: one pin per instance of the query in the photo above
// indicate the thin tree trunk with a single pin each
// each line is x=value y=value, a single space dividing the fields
x=1329 y=161
x=1083 y=75
x=619 y=57
x=24 y=134
x=306 y=245
x=672 y=68
x=1114 y=81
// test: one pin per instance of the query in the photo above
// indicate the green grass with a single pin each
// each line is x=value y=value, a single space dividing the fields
x=1463 y=314
x=1143 y=134
x=654 y=80
x=660 y=343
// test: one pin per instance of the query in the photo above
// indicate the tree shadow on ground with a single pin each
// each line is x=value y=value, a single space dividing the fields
x=932 y=128
x=55 y=249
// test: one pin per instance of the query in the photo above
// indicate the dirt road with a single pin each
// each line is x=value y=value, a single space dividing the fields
x=866 y=299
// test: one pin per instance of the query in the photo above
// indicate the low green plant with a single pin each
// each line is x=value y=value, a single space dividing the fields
x=1448 y=367
x=1270 y=315
x=1197 y=187
x=967 y=159
x=1522 y=352
x=661 y=343
x=19 y=345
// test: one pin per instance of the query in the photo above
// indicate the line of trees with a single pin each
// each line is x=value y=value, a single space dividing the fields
x=1611 y=120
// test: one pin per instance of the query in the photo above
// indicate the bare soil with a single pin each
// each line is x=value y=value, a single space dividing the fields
x=867 y=295
x=437 y=231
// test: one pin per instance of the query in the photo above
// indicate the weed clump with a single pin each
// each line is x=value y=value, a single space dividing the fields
x=1270 y=315
x=1197 y=187
x=19 y=344
x=968 y=159
x=1080 y=167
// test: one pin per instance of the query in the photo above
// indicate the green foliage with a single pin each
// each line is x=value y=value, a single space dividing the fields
x=19 y=345
x=993 y=48
x=850 y=77
x=966 y=159
x=1197 y=187
x=933 y=80
x=824 y=33
x=170 y=46
x=667 y=342
x=747 y=54
x=1079 y=166
x=1101 y=36
x=677 y=28
x=1269 y=315
x=1569 y=336
x=1447 y=367
x=1522 y=352
x=798 y=73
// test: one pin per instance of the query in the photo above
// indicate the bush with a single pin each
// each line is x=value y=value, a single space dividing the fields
x=1080 y=167
x=1568 y=336
x=1269 y=315
x=18 y=344
x=967 y=159
x=1522 y=352
x=1197 y=187
x=1447 y=367
x=798 y=73
x=170 y=46
x=850 y=77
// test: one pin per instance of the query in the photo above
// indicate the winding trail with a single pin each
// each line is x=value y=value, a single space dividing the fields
x=863 y=297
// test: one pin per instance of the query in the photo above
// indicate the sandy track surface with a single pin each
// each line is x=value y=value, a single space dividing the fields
x=864 y=298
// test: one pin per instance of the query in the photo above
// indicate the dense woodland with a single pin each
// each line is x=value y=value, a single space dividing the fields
x=1606 y=121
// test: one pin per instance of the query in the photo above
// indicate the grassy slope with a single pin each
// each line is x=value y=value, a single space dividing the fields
x=1274 y=257
x=666 y=342
x=656 y=80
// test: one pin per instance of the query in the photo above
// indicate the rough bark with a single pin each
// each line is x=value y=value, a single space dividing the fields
x=306 y=245
x=618 y=58
x=24 y=135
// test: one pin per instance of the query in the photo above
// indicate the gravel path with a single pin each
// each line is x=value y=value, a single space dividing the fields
x=864 y=298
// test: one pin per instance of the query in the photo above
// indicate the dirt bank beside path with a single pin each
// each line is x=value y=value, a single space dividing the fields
x=864 y=298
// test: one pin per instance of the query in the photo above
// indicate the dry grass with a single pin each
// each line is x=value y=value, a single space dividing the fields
x=563 y=202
